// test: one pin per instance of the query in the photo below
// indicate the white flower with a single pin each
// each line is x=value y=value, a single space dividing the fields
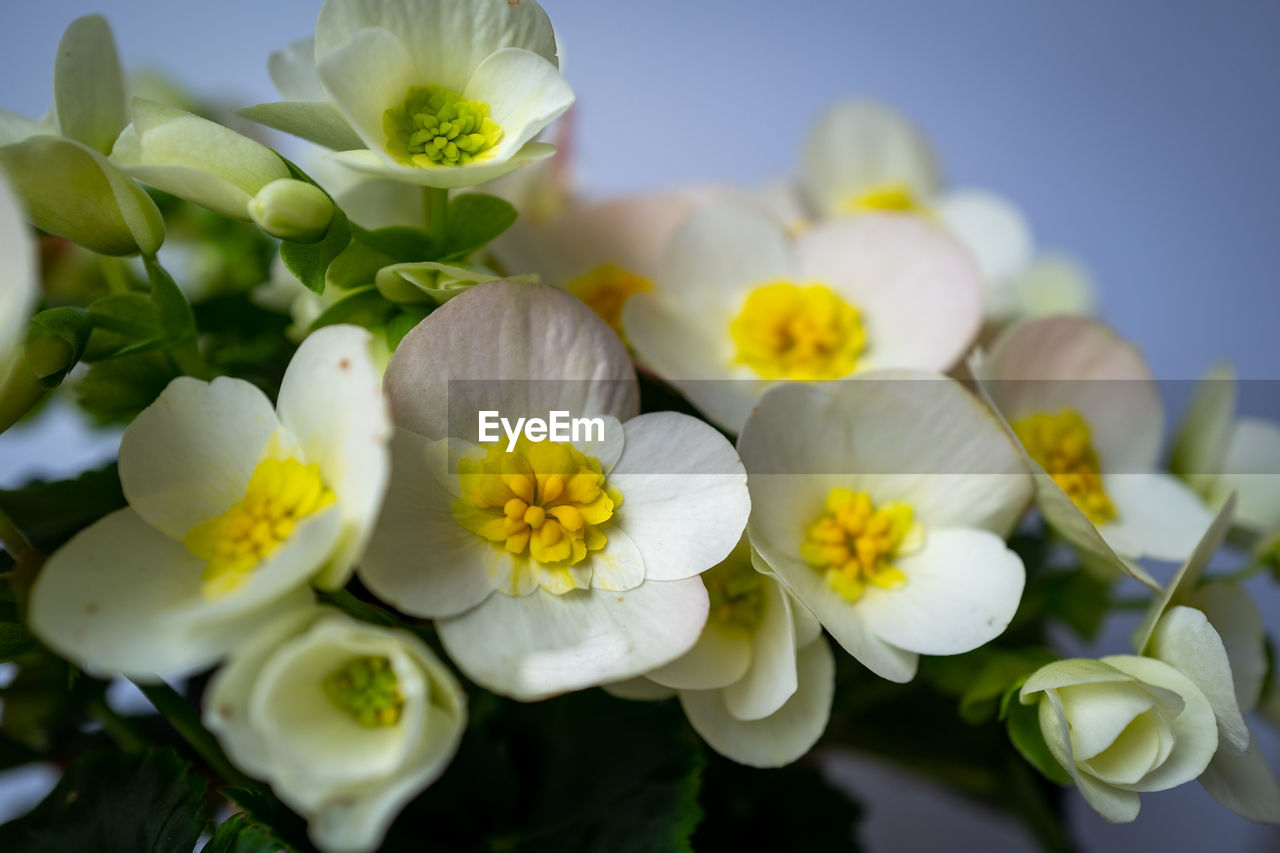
x=433 y=92
x=19 y=281
x=882 y=502
x=233 y=507
x=862 y=156
x=758 y=684
x=1217 y=453
x=1087 y=413
x=560 y=565
x=737 y=299
x=1212 y=632
x=347 y=721
x=1122 y=725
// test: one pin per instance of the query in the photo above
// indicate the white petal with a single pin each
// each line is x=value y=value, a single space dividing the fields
x=779 y=738
x=1099 y=712
x=684 y=494
x=719 y=658
x=859 y=146
x=1185 y=640
x=1156 y=516
x=419 y=559
x=620 y=565
x=919 y=293
x=1054 y=284
x=15 y=128
x=1244 y=784
x=123 y=597
x=545 y=335
x=364 y=77
x=772 y=678
x=189 y=455
x=1234 y=615
x=445 y=177
x=962 y=590
x=1252 y=470
x=19 y=285
x=293 y=71
x=542 y=644
x=525 y=93
x=447 y=40
x=1114 y=804
x=314 y=121
x=88 y=85
x=991 y=228
x=331 y=401
x=1200 y=447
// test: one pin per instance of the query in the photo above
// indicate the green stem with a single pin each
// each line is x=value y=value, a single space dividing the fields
x=437 y=212
x=117 y=276
x=19 y=392
x=186 y=721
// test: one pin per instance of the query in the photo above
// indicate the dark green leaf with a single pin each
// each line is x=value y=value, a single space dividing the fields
x=124 y=323
x=15 y=641
x=399 y=243
x=357 y=266
x=310 y=261
x=238 y=834
x=1023 y=725
x=115 y=803
x=362 y=307
x=115 y=391
x=70 y=328
x=1001 y=669
x=48 y=513
x=265 y=810
x=172 y=308
x=474 y=220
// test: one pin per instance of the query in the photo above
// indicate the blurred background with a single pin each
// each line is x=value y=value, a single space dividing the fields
x=1143 y=138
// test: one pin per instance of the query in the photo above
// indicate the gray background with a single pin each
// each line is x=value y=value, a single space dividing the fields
x=1141 y=136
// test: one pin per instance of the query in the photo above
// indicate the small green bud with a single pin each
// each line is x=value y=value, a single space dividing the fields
x=292 y=210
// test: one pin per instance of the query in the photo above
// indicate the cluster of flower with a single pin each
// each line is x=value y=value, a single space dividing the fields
x=658 y=560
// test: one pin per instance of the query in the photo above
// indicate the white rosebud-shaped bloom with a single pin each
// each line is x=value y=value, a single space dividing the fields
x=346 y=721
x=1122 y=725
x=19 y=280
x=882 y=502
x=560 y=564
x=234 y=506
x=737 y=299
x=758 y=684
x=1213 y=633
x=432 y=92
x=862 y=157
x=1217 y=453
x=1087 y=414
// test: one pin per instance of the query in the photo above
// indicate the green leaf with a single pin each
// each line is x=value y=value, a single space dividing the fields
x=15 y=641
x=115 y=391
x=123 y=323
x=116 y=803
x=1079 y=599
x=310 y=261
x=474 y=220
x=56 y=341
x=1001 y=669
x=48 y=513
x=361 y=307
x=176 y=317
x=1023 y=726
x=399 y=243
x=266 y=811
x=238 y=834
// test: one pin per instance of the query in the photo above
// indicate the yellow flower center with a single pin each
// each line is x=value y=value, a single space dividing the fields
x=368 y=690
x=1060 y=443
x=736 y=591
x=786 y=331
x=853 y=543
x=280 y=493
x=437 y=127
x=606 y=289
x=545 y=498
x=896 y=198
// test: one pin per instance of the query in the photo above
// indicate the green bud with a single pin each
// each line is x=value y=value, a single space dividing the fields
x=292 y=210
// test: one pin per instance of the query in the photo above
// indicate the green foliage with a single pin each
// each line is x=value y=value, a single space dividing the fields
x=1023 y=724
x=115 y=802
x=474 y=220
x=70 y=328
x=50 y=512
x=310 y=261
x=239 y=834
x=115 y=391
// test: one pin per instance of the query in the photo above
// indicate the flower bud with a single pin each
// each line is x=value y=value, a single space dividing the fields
x=292 y=210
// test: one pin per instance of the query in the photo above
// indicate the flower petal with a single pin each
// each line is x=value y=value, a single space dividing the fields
x=542 y=644
x=992 y=229
x=19 y=284
x=719 y=658
x=364 y=77
x=620 y=565
x=1234 y=615
x=1185 y=640
x=88 y=85
x=1114 y=804
x=1157 y=516
x=685 y=500
x=331 y=401
x=293 y=71
x=525 y=93
x=772 y=678
x=1252 y=470
x=545 y=335
x=314 y=121
x=638 y=689
x=783 y=736
x=1054 y=283
x=189 y=455
x=1200 y=447
x=1244 y=784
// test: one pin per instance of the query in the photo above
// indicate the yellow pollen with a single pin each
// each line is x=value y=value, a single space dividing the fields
x=368 y=690
x=606 y=289
x=786 y=331
x=894 y=198
x=280 y=493
x=438 y=127
x=853 y=543
x=545 y=498
x=1060 y=443
x=736 y=590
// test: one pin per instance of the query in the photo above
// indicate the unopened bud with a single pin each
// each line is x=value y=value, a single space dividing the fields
x=292 y=210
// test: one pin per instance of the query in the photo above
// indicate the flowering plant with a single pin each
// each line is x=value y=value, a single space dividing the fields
x=451 y=505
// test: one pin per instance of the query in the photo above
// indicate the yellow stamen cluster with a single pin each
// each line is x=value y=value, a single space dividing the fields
x=853 y=543
x=546 y=498
x=895 y=198
x=606 y=289
x=280 y=493
x=1060 y=443
x=736 y=591
x=438 y=127
x=786 y=331
x=368 y=690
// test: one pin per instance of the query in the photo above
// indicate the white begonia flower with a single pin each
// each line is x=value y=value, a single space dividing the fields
x=432 y=92
x=561 y=564
x=1218 y=454
x=863 y=156
x=19 y=281
x=1122 y=725
x=758 y=684
x=737 y=299
x=233 y=508
x=1087 y=414
x=882 y=503
x=347 y=721
x=1212 y=632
